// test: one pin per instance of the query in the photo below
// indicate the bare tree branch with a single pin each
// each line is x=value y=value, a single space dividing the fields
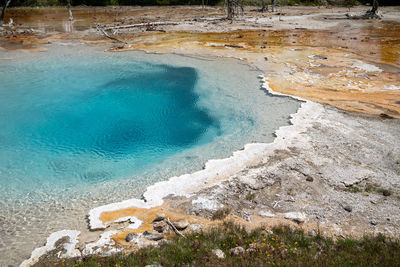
x=3 y=12
x=174 y=228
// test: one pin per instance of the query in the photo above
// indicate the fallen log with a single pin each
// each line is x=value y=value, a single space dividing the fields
x=102 y=30
x=150 y=24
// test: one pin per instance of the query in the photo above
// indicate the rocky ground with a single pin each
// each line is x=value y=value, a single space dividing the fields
x=335 y=170
x=340 y=176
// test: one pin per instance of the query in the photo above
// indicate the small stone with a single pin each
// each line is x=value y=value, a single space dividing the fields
x=348 y=208
x=250 y=250
x=309 y=179
x=312 y=233
x=219 y=253
x=320 y=57
x=153 y=236
x=160 y=226
x=129 y=237
x=269 y=231
x=160 y=217
x=181 y=224
x=373 y=222
x=195 y=228
x=297 y=217
x=266 y=213
x=236 y=250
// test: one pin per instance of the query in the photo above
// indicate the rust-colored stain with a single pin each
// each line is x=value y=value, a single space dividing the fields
x=147 y=216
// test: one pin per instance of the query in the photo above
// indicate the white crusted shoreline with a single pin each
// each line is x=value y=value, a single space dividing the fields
x=69 y=247
x=214 y=172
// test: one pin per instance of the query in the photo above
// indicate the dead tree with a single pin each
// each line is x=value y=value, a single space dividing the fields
x=71 y=18
x=370 y=14
x=374 y=8
x=233 y=8
x=263 y=8
x=3 y=12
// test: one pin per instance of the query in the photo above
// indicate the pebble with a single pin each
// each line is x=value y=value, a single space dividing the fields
x=219 y=253
x=373 y=222
x=160 y=226
x=195 y=228
x=312 y=233
x=181 y=224
x=309 y=179
x=348 y=208
x=236 y=250
x=160 y=217
x=297 y=217
x=320 y=57
x=129 y=237
x=153 y=236
x=266 y=213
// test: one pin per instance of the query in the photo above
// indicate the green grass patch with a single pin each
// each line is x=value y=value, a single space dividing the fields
x=250 y=196
x=353 y=189
x=221 y=214
x=283 y=247
x=370 y=188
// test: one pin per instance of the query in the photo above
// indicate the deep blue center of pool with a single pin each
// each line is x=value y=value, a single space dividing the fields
x=72 y=121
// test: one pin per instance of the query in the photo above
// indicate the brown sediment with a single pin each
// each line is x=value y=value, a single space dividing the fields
x=147 y=217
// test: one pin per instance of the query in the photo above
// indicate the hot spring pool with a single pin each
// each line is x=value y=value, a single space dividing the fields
x=81 y=127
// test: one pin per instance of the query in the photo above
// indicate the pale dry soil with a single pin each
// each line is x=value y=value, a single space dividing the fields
x=338 y=175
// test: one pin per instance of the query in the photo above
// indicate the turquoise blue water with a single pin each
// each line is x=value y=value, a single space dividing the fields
x=70 y=122
x=80 y=127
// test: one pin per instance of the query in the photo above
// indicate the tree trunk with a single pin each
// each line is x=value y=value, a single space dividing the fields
x=71 y=18
x=229 y=9
x=3 y=12
x=375 y=6
x=262 y=5
x=273 y=5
